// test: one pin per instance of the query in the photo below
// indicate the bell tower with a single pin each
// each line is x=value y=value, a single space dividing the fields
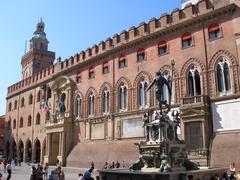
x=38 y=57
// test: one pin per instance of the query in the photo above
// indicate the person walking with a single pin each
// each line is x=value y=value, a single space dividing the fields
x=45 y=170
x=9 y=170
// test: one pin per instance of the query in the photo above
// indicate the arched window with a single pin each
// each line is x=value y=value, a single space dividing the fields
x=91 y=104
x=187 y=40
x=162 y=47
x=105 y=101
x=15 y=104
x=38 y=119
x=30 y=99
x=141 y=54
x=9 y=106
x=21 y=123
x=29 y=123
x=78 y=106
x=143 y=97
x=39 y=96
x=14 y=124
x=49 y=92
x=22 y=102
x=122 y=62
x=223 y=77
x=78 y=77
x=193 y=81
x=105 y=68
x=214 y=31
x=122 y=97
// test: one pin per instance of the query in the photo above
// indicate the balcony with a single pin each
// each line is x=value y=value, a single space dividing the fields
x=194 y=100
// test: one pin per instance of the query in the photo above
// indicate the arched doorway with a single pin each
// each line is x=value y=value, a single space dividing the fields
x=20 y=150
x=28 y=151
x=7 y=147
x=37 y=148
x=55 y=148
x=44 y=150
x=14 y=149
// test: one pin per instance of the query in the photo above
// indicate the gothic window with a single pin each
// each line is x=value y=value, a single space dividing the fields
x=162 y=47
x=39 y=96
x=38 y=118
x=14 y=124
x=214 y=31
x=91 y=104
x=78 y=106
x=22 y=102
x=193 y=81
x=223 y=77
x=30 y=101
x=143 y=97
x=49 y=92
x=15 y=104
x=29 y=123
x=187 y=40
x=91 y=73
x=105 y=101
x=141 y=55
x=21 y=122
x=122 y=63
x=193 y=135
x=9 y=106
x=122 y=97
x=105 y=68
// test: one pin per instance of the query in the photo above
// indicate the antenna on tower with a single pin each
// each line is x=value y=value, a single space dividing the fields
x=25 y=50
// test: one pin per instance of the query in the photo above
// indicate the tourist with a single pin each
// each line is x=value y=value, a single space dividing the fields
x=53 y=175
x=106 y=165
x=80 y=175
x=39 y=173
x=232 y=168
x=5 y=165
x=113 y=165
x=9 y=170
x=61 y=175
x=88 y=175
x=13 y=164
x=123 y=164
x=92 y=165
x=225 y=176
x=117 y=165
x=45 y=171
x=33 y=173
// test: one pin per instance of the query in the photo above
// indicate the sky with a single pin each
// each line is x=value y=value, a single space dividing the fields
x=71 y=26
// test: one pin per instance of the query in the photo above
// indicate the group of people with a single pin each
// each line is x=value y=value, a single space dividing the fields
x=87 y=174
x=114 y=165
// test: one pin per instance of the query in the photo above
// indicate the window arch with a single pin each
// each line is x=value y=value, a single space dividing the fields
x=9 y=107
x=193 y=81
x=214 y=31
x=39 y=96
x=21 y=123
x=122 y=62
x=29 y=123
x=30 y=101
x=22 y=102
x=105 y=101
x=122 y=99
x=223 y=77
x=14 y=124
x=15 y=104
x=38 y=119
x=141 y=54
x=91 y=73
x=143 y=97
x=78 y=106
x=187 y=40
x=91 y=100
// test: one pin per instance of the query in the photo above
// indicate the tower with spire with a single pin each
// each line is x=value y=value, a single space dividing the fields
x=38 y=57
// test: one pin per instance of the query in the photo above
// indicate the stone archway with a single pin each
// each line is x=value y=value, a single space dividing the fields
x=14 y=149
x=37 y=151
x=28 y=151
x=20 y=150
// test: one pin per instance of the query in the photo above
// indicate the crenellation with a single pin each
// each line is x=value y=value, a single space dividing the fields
x=203 y=6
x=101 y=47
x=152 y=24
x=142 y=29
x=76 y=57
x=164 y=19
x=188 y=10
x=132 y=32
x=82 y=56
x=94 y=50
x=115 y=39
x=71 y=59
x=123 y=36
x=88 y=53
x=175 y=15
x=108 y=43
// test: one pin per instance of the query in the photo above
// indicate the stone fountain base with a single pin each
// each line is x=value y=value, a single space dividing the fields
x=125 y=174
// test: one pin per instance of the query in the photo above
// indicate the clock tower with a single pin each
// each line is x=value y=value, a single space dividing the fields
x=38 y=57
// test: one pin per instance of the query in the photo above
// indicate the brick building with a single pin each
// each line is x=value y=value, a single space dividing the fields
x=89 y=106
x=2 y=128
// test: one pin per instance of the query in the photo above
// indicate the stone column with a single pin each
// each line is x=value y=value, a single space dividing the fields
x=47 y=157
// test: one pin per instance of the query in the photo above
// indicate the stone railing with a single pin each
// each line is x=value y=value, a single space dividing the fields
x=194 y=99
